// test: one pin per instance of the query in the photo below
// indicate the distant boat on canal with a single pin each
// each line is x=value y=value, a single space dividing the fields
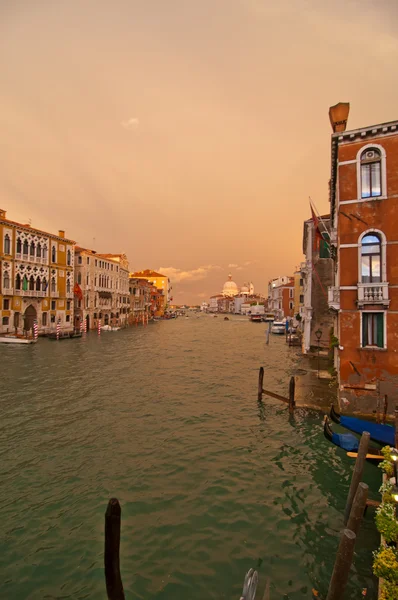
x=278 y=327
x=256 y=318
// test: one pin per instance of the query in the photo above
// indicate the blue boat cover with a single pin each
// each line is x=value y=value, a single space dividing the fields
x=347 y=441
x=384 y=434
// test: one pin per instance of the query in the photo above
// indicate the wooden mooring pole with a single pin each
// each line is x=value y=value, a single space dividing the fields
x=396 y=426
x=114 y=585
x=260 y=383
x=358 y=508
x=342 y=565
x=385 y=409
x=357 y=474
x=292 y=387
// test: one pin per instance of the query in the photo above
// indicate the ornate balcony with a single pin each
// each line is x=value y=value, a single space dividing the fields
x=7 y=291
x=69 y=294
x=31 y=293
x=334 y=298
x=373 y=293
x=54 y=294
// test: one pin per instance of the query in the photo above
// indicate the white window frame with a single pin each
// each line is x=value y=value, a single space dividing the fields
x=384 y=330
x=383 y=254
x=383 y=173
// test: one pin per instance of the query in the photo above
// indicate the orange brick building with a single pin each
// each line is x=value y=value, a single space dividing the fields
x=364 y=237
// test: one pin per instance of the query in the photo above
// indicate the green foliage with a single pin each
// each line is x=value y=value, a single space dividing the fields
x=386 y=522
x=386 y=452
x=389 y=591
x=298 y=317
x=387 y=467
x=334 y=342
x=386 y=492
x=385 y=564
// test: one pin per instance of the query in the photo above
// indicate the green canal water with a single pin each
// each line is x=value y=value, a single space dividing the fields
x=211 y=482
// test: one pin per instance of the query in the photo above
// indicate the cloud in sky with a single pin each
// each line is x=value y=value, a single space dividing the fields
x=178 y=275
x=131 y=123
x=233 y=266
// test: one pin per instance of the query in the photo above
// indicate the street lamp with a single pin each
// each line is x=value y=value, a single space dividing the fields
x=318 y=335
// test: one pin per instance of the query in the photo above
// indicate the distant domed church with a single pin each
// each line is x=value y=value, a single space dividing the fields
x=230 y=288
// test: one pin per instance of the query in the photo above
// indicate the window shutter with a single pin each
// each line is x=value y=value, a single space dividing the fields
x=364 y=330
x=380 y=330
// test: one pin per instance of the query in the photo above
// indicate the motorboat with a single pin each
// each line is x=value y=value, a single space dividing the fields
x=256 y=318
x=278 y=327
x=268 y=318
x=16 y=339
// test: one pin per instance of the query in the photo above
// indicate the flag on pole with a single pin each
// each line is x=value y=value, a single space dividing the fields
x=78 y=291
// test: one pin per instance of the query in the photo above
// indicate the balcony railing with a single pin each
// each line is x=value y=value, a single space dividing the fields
x=69 y=294
x=31 y=293
x=7 y=291
x=334 y=298
x=54 y=294
x=373 y=293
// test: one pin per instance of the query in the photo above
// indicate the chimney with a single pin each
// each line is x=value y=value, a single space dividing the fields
x=3 y=214
x=61 y=233
x=338 y=115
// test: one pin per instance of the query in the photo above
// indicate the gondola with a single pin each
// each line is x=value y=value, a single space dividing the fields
x=348 y=442
x=383 y=434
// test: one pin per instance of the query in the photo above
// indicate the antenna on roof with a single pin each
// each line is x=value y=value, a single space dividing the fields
x=30 y=221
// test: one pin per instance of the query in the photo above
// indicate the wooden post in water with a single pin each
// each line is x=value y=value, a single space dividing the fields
x=292 y=386
x=385 y=409
x=396 y=426
x=358 y=508
x=342 y=565
x=357 y=474
x=260 y=383
x=114 y=585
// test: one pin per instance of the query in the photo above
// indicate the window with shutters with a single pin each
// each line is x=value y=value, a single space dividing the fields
x=373 y=329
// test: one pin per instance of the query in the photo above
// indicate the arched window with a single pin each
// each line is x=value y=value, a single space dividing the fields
x=371 y=258
x=6 y=280
x=38 y=284
x=25 y=283
x=7 y=244
x=32 y=249
x=19 y=246
x=38 y=250
x=31 y=283
x=18 y=282
x=370 y=173
x=44 y=284
x=53 y=254
x=45 y=253
x=68 y=258
x=68 y=287
x=53 y=286
x=25 y=247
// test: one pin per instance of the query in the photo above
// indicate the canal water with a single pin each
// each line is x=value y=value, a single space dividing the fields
x=211 y=483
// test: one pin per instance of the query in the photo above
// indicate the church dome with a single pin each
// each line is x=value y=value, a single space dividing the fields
x=230 y=288
x=244 y=289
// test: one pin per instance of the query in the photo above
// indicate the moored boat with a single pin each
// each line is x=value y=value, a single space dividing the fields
x=64 y=335
x=383 y=434
x=16 y=339
x=350 y=443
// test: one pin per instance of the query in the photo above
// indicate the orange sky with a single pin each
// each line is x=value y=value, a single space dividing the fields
x=187 y=134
